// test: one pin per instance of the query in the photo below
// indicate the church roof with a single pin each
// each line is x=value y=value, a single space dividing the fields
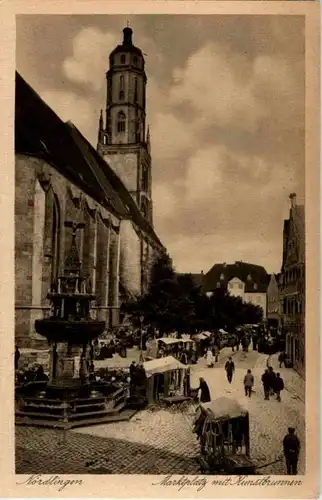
x=255 y=277
x=66 y=149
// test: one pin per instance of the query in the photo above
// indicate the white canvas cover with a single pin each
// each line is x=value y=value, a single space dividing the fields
x=224 y=408
x=162 y=365
x=170 y=340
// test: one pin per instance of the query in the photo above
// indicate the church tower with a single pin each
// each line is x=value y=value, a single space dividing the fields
x=124 y=141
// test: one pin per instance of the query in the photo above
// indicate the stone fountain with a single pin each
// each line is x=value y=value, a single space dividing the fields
x=69 y=399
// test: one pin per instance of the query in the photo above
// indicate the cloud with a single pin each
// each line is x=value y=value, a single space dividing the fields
x=91 y=48
x=213 y=81
x=70 y=106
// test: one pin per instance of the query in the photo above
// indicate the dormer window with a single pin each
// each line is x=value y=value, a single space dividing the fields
x=249 y=277
x=222 y=277
x=218 y=284
x=255 y=286
x=121 y=121
x=123 y=59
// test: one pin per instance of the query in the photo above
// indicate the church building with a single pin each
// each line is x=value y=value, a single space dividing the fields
x=61 y=178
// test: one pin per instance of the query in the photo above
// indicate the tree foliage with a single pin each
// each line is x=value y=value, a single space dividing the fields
x=175 y=303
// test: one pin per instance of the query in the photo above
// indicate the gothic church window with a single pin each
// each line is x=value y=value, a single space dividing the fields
x=55 y=240
x=121 y=122
x=121 y=93
x=135 y=89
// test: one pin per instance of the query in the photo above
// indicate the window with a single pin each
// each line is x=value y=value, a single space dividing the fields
x=255 y=286
x=123 y=59
x=135 y=61
x=222 y=277
x=231 y=285
x=240 y=286
x=122 y=82
x=135 y=89
x=121 y=122
x=218 y=284
x=259 y=300
x=249 y=277
x=121 y=95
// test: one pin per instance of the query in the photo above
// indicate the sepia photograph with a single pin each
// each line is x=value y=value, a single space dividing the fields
x=160 y=246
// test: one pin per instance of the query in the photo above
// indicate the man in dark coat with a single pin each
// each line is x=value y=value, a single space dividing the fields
x=205 y=393
x=272 y=383
x=17 y=357
x=266 y=380
x=230 y=369
x=291 y=447
x=279 y=386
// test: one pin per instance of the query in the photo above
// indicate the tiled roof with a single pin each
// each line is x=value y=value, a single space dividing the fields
x=41 y=133
x=251 y=274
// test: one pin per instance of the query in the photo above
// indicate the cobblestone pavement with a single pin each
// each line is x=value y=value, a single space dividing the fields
x=158 y=441
x=43 y=451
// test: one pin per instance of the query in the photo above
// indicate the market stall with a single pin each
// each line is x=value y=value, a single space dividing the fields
x=165 y=378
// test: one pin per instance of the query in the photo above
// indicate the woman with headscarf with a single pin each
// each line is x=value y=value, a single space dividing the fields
x=204 y=391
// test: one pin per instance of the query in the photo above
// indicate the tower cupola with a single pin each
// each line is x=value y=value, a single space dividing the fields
x=127 y=36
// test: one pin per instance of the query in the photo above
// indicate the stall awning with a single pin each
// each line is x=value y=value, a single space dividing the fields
x=224 y=408
x=162 y=365
x=170 y=340
x=200 y=336
x=186 y=338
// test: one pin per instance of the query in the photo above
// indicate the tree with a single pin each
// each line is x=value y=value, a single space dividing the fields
x=174 y=303
x=171 y=303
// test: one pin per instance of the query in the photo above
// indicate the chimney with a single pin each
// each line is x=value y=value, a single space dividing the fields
x=293 y=200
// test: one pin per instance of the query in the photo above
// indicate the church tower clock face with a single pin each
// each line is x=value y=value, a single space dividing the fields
x=124 y=141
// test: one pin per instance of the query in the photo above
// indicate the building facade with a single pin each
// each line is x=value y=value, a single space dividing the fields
x=240 y=279
x=292 y=285
x=273 y=302
x=60 y=177
x=124 y=142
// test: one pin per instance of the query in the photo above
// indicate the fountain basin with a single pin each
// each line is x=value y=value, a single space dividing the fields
x=74 y=332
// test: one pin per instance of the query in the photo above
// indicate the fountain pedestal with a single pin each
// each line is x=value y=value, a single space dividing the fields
x=68 y=399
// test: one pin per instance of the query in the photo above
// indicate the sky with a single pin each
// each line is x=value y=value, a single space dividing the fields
x=225 y=105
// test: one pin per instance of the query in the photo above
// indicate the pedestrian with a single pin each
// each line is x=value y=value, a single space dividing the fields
x=266 y=379
x=282 y=358
x=210 y=359
x=215 y=351
x=234 y=342
x=279 y=386
x=291 y=447
x=17 y=357
x=204 y=391
x=230 y=369
x=272 y=383
x=248 y=383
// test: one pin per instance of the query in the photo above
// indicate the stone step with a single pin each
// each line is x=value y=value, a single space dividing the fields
x=125 y=416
